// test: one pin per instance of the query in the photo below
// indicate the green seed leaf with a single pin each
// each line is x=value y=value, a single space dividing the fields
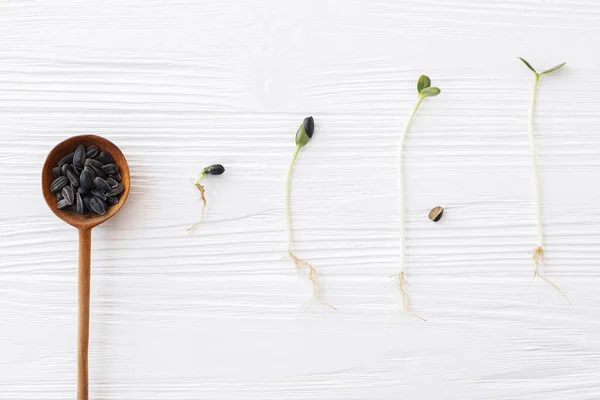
x=553 y=68
x=430 y=92
x=528 y=65
x=423 y=83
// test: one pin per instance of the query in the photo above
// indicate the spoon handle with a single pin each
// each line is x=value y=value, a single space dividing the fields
x=83 y=327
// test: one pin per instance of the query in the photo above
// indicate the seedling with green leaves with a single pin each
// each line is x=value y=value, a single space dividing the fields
x=538 y=252
x=215 y=169
x=424 y=90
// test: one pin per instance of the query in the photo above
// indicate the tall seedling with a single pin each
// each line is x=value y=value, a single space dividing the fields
x=538 y=252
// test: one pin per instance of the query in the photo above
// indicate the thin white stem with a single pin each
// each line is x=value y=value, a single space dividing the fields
x=401 y=182
x=199 y=179
x=288 y=211
x=538 y=190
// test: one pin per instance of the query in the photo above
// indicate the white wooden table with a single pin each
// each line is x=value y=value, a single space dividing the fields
x=216 y=314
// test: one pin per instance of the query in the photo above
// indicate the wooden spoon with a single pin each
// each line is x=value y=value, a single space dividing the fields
x=84 y=223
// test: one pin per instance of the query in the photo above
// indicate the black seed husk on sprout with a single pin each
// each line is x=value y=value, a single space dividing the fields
x=86 y=180
x=215 y=169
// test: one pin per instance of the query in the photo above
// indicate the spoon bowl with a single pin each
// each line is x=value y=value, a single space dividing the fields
x=84 y=223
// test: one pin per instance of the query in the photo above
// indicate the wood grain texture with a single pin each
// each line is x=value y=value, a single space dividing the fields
x=216 y=314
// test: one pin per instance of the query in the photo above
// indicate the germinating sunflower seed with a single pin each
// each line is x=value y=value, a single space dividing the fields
x=86 y=180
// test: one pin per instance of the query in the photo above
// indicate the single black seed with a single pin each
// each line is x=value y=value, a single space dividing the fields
x=98 y=193
x=116 y=177
x=59 y=183
x=92 y=161
x=79 y=204
x=112 y=200
x=215 y=169
x=116 y=191
x=111 y=182
x=66 y=167
x=68 y=159
x=86 y=202
x=91 y=171
x=105 y=158
x=436 y=213
x=110 y=169
x=309 y=126
x=59 y=196
x=91 y=152
x=97 y=206
x=62 y=204
x=73 y=177
x=79 y=156
x=56 y=172
x=68 y=194
x=101 y=184
x=98 y=171
x=86 y=180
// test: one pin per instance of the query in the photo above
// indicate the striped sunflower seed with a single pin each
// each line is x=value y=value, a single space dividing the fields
x=94 y=162
x=110 y=169
x=97 y=206
x=99 y=194
x=105 y=158
x=68 y=194
x=62 y=204
x=68 y=159
x=79 y=209
x=91 y=152
x=56 y=172
x=59 y=183
x=111 y=182
x=73 y=177
x=101 y=184
x=79 y=157
x=86 y=179
x=116 y=191
x=112 y=200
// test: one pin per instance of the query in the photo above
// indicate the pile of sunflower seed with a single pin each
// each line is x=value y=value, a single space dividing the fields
x=86 y=180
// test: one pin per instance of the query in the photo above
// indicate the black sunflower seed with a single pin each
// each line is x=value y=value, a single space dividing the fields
x=116 y=177
x=86 y=202
x=68 y=194
x=79 y=209
x=112 y=200
x=98 y=171
x=110 y=169
x=111 y=182
x=79 y=156
x=215 y=169
x=97 y=206
x=98 y=193
x=56 y=172
x=105 y=158
x=116 y=191
x=73 y=177
x=59 y=183
x=101 y=184
x=91 y=152
x=86 y=179
x=92 y=161
x=68 y=159
x=62 y=204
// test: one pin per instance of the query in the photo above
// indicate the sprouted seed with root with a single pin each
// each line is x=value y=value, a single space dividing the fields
x=538 y=252
x=215 y=169
x=424 y=90
x=303 y=136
